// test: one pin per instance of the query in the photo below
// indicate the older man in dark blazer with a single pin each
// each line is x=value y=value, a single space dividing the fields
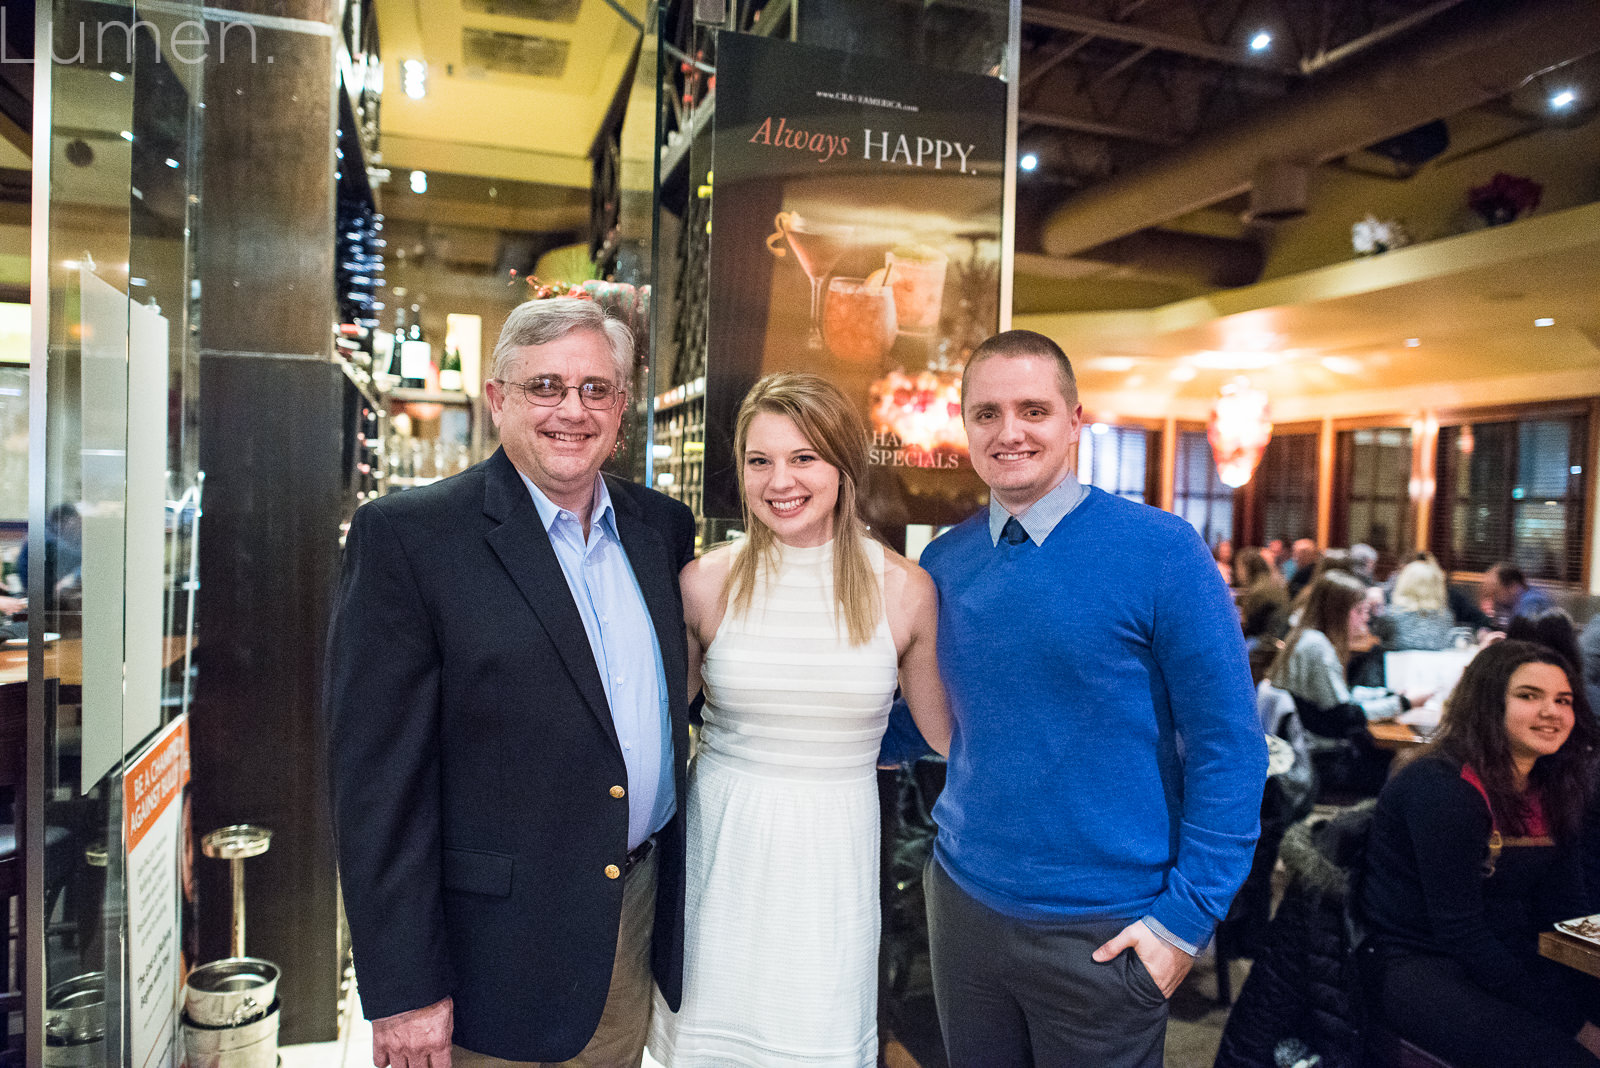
x=507 y=729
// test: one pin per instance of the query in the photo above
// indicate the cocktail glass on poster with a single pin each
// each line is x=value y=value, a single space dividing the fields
x=858 y=319
x=917 y=274
x=817 y=247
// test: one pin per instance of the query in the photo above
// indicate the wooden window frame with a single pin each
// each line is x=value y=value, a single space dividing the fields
x=1154 y=430
x=1343 y=472
x=1249 y=512
x=1579 y=536
x=1231 y=533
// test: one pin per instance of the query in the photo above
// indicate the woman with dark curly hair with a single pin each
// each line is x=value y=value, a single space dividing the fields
x=1474 y=849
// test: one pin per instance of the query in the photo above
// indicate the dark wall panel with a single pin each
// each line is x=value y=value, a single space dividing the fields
x=266 y=211
x=270 y=445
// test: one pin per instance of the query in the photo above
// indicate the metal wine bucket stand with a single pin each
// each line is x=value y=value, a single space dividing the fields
x=230 y=1014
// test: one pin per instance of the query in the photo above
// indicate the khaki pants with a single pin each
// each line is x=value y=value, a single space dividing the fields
x=619 y=1040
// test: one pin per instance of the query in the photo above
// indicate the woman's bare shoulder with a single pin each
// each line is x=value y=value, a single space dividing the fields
x=906 y=582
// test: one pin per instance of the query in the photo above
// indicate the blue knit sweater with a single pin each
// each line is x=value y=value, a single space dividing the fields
x=1107 y=760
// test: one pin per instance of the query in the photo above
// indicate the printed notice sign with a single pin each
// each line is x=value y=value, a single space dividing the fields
x=856 y=232
x=152 y=795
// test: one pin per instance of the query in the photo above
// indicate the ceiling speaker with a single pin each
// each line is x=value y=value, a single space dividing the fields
x=1281 y=192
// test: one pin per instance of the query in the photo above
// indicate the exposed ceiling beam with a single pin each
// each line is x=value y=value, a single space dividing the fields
x=1099 y=129
x=1049 y=63
x=1467 y=64
x=1122 y=64
x=1323 y=60
x=1132 y=33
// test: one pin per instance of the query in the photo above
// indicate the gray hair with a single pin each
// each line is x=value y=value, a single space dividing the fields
x=539 y=322
x=1363 y=554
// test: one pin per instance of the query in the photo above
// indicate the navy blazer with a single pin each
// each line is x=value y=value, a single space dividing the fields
x=472 y=754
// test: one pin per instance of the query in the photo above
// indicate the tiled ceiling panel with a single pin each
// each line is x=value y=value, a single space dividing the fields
x=563 y=11
x=513 y=53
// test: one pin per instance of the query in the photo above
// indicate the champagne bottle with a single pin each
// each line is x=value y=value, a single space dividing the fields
x=415 y=354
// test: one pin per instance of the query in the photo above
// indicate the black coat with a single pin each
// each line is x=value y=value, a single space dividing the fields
x=1304 y=983
x=472 y=755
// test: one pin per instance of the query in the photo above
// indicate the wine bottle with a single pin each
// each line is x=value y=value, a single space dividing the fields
x=415 y=353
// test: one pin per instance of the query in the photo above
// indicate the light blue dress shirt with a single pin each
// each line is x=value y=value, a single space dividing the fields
x=1043 y=514
x=619 y=628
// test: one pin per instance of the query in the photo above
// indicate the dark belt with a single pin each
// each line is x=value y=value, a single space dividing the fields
x=638 y=853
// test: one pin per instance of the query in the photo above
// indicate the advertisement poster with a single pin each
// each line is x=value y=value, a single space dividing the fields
x=153 y=792
x=856 y=229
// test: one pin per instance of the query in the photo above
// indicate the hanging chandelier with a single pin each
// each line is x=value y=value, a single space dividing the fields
x=1239 y=430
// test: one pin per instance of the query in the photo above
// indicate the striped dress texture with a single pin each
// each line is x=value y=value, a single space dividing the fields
x=781 y=953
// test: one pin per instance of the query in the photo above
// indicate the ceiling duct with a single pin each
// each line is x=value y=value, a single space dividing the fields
x=1196 y=258
x=1457 y=63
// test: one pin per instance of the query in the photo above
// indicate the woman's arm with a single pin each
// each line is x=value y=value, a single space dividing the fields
x=914 y=620
x=702 y=582
x=1316 y=678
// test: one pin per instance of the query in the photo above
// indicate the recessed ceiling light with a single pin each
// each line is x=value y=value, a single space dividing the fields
x=127 y=135
x=1028 y=162
x=1563 y=98
x=1115 y=364
x=1098 y=428
x=1545 y=321
x=419 y=181
x=1261 y=41
x=1413 y=342
x=172 y=163
x=1233 y=360
x=117 y=76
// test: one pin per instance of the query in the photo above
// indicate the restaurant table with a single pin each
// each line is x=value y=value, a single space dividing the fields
x=63 y=659
x=1389 y=734
x=1574 y=952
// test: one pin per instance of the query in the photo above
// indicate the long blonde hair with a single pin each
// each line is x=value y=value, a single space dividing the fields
x=830 y=424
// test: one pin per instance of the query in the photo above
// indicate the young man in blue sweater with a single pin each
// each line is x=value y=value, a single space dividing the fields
x=1107 y=764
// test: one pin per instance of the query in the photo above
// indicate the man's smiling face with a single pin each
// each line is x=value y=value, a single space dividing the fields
x=562 y=447
x=1020 y=427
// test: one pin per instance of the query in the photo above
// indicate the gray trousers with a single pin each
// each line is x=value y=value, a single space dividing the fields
x=1026 y=994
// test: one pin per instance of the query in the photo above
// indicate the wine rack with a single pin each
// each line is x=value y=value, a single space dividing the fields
x=679 y=443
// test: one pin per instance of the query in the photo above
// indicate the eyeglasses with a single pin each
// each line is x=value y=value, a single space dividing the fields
x=548 y=391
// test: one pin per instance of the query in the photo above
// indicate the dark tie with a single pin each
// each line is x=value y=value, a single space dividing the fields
x=1012 y=533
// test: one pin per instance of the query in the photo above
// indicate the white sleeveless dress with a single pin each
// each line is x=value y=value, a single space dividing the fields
x=781 y=939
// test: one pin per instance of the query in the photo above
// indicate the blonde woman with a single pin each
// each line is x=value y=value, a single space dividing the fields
x=1419 y=614
x=799 y=634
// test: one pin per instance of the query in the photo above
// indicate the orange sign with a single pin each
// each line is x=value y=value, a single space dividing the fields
x=154 y=782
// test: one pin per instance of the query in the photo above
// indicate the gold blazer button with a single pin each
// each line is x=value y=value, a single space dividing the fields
x=613 y=872
x=617 y=791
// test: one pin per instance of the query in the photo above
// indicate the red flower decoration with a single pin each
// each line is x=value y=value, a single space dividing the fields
x=1505 y=197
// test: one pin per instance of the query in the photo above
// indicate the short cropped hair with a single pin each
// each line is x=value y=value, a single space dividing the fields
x=1013 y=343
x=1508 y=574
x=539 y=322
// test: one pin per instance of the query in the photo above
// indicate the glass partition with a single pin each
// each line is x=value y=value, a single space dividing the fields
x=114 y=496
